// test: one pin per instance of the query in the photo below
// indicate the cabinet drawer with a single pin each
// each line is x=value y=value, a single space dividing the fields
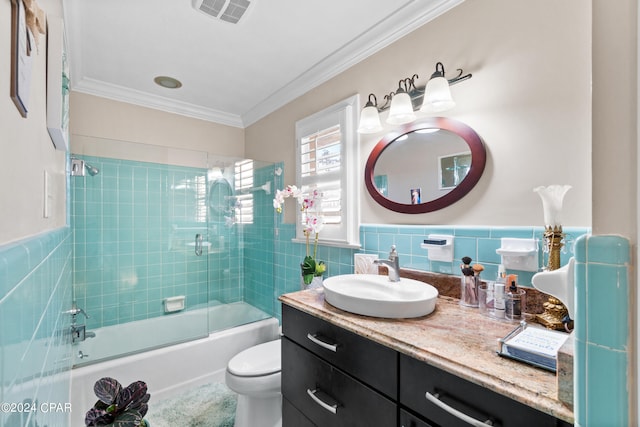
x=368 y=361
x=410 y=420
x=291 y=417
x=418 y=379
x=329 y=397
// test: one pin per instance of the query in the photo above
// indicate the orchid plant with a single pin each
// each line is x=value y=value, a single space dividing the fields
x=313 y=224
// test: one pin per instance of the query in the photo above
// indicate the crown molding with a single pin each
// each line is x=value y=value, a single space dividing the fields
x=143 y=99
x=382 y=34
x=405 y=20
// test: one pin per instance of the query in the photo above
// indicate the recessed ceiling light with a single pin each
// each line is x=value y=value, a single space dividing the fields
x=168 y=82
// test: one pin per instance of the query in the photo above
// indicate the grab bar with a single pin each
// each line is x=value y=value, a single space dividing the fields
x=198 y=244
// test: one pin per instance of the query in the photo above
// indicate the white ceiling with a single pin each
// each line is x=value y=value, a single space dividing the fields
x=233 y=74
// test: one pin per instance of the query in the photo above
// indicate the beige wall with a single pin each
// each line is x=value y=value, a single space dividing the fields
x=529 y=99
x=615 y=112
x=27 y=150
x=103 y=127
x=615 y=145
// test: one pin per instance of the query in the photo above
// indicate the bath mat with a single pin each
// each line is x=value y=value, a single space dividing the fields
x=210 y=405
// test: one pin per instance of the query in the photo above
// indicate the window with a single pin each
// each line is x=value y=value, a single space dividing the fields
x=243 y=177
x=327 y=146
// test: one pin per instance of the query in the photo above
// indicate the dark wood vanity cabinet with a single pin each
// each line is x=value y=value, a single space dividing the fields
x=332 y=377
x=445 y=400
x=335 y=377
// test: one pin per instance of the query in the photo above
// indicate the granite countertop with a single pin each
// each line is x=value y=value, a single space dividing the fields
x=457 y=339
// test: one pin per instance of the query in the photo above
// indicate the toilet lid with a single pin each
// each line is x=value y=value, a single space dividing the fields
x=262 y=359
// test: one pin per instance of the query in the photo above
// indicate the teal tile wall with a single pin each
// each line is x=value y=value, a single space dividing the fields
x=479 y=243
x=288 y=256
x=603 y=317
x=35 y=355
x=259 y=242
x=132 y=225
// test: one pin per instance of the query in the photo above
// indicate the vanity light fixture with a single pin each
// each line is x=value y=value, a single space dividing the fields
x=434 y=96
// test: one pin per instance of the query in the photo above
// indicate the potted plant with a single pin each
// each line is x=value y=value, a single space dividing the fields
x=118 y=406
x=313 y=224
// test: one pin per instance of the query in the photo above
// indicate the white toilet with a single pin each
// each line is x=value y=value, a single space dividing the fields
x=254 y=374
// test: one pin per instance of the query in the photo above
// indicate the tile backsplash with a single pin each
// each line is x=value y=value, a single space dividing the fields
x=479 y=243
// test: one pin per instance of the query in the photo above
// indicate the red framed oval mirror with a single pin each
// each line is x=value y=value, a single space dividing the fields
x=426 y=166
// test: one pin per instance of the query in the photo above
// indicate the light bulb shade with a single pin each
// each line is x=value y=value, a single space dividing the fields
x=401 y=110
x=552 y=197
x=369 y=120
x=437 y=96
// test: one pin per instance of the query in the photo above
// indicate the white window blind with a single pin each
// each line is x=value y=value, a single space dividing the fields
x=326 y=145
x=243 y=176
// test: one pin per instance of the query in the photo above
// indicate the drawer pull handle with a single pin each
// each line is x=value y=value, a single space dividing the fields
x=434 y=398
x=331 y=408
x=315 y=339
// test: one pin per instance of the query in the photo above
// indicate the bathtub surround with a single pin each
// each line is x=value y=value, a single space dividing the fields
x=134 y=226
x=35 y=354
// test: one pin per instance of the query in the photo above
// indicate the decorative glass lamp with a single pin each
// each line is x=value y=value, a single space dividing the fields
x=555 y=315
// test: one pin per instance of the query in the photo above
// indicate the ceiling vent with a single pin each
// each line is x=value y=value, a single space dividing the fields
x=225 y=10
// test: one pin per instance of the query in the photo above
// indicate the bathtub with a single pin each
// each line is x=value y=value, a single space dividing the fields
x=169 y=370
x=148 y=334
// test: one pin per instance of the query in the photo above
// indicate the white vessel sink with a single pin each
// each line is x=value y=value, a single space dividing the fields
x=376 y=296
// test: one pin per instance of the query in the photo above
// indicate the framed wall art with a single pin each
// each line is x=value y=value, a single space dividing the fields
x=22 y=49
x=57 y=84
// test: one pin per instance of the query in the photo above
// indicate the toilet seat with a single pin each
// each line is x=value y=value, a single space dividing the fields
x=260 y=360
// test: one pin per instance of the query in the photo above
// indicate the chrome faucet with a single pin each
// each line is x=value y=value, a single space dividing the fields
x=392 y=264
x=75 y=310
x=78 y=331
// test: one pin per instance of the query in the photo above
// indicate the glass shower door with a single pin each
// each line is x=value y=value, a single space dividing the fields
x=140 y=247
x=241 y=226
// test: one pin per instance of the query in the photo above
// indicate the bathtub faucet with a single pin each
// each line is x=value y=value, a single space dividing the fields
x=392 y=264
x=79 y=333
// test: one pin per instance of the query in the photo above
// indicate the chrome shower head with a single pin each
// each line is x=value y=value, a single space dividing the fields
x=80 y=167
x=92 y=170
